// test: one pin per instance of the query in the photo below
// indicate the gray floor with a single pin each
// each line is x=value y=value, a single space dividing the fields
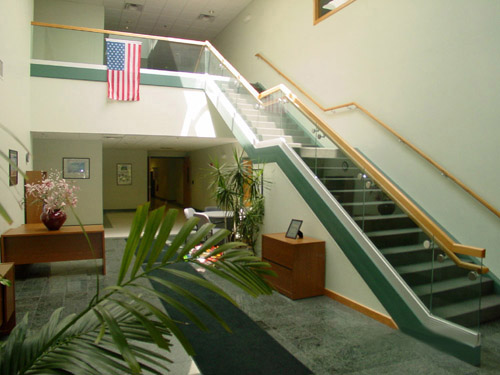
x=327 y=336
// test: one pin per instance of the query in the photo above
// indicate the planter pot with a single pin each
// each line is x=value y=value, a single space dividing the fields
x=53 y=220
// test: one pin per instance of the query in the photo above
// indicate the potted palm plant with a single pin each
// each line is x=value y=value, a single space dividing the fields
x=238 y=188
x=104 y=336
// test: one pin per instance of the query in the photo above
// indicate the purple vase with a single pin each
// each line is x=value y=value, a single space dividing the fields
x=53 y=219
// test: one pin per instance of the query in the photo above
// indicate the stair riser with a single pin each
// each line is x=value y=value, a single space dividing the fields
x=471 y=319
x=426 y=276
x=386 y=223
x=278 y=132
x=397 y=240
x=473 y=291
x=402 y=259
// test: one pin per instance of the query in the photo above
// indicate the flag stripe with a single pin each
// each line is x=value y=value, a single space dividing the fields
x=124 y=63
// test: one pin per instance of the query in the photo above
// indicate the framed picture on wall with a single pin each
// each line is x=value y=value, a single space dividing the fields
x=124 y=174
x=75 y=168
x=13 y=167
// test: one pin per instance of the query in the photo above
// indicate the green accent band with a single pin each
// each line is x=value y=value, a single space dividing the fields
x=98 y=75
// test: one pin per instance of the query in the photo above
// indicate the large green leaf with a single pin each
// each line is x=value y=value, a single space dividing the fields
x=105 y=337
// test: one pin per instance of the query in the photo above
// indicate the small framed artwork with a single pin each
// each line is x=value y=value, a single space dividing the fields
x=294 y=229
x=124 y=174
x=13 y=167
x=76 y=168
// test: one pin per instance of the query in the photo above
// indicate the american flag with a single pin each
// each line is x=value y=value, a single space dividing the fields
x=124 y=64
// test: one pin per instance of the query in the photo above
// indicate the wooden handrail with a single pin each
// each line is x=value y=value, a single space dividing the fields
x=123 y=33
x=439 y=236
x=442 y=170
x=448 y=245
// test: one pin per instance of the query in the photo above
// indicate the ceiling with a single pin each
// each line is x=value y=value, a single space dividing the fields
x=174 y=18
x=140 y=142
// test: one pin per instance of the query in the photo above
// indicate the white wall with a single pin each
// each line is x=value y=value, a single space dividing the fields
x=201 y=195
x=48 y=155
x=15 y=18
x=60 y=105
x=429 y=69
x=341 y=277
x=66 y=45
x=124 y=196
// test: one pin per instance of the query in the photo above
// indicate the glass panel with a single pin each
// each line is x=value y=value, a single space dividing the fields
x=89 y=48
x=456 y=292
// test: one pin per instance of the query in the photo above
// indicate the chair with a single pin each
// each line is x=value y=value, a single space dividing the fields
x=204 y=219
x=189 y=212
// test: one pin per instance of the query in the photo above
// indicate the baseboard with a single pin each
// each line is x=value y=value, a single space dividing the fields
x=382 y=318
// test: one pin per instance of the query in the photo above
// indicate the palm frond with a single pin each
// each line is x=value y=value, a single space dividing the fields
x=106 y=336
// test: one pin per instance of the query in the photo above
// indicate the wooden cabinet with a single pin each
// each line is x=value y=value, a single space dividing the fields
x=33 y=243
x=7 y=300
x=299 y=263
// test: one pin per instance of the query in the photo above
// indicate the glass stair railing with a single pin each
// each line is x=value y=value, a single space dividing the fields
x=449 y=292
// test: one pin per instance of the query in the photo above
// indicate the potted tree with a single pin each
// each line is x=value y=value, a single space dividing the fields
x=238 y=188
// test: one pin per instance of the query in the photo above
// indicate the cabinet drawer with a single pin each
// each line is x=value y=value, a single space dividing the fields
x=284 y=281
x=277 y=252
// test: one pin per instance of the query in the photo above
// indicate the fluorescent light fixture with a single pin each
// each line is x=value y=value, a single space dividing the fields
x=334 y=4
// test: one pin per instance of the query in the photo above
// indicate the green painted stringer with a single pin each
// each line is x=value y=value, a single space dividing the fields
x=98 y=75
x=406 y=320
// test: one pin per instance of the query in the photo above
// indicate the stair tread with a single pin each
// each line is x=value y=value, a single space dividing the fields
x=370 y=203
x=381 y=217
x=392 y=232
x=402 y=249
x=424 y=266
x=349 y=190
x=444 y=285
x=467 y=306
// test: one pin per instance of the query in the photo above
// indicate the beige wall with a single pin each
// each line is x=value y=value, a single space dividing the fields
x=201 y=195
x=65 y=45
x=124 y=196
x=429 y=69
x=60 y=105
x=15 y=18
x=340 y=277
x=48 y=155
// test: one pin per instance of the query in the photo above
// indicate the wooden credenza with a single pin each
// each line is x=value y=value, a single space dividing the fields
x=299 y=264
x=7 y=300
x=33 y=243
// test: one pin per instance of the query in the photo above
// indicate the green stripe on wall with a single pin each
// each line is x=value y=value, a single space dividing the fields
x=98 y=75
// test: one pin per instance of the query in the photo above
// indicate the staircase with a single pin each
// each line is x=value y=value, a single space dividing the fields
x=450 y=292
x=267 y=122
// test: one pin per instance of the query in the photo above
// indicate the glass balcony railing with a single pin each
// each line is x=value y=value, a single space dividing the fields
x=75 y=46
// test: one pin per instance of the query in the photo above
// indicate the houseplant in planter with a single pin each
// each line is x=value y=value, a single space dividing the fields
x=56 y=194
x=238 y=188
x=103 y=337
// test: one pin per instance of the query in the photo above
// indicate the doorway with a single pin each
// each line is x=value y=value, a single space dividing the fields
x=168 y=181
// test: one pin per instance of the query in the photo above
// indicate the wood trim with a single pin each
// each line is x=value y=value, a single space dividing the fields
x=413 y=211
x=382 y=318
x=469 y=250
x=442 y=170
x=317 y=19
x=111 y=32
